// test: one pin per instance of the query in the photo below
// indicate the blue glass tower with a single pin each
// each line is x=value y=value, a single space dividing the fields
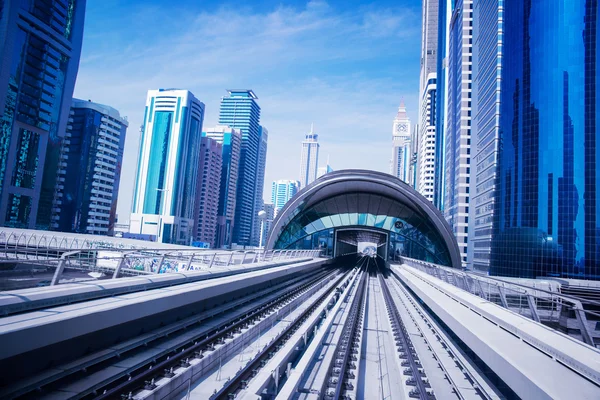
x=487 y=67
x=546 y=212
x=240 y=111
x=90 y=170
x=231 y=142
x=163 y=198
x=40 y=44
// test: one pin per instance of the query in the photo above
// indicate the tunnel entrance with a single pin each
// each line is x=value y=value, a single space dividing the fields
x=357 y=240
x=344 y=208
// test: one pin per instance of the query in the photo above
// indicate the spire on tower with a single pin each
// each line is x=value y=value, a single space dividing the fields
x=401 y=110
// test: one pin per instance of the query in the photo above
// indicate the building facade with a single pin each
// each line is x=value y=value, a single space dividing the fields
x=441 y=101
x=239 y=110
x=91 y=156
x=425 y=146
x=281 y=192
x=207 y=191
x=260 y=185
x=309 y=159
x=266 y=222
x=324 y=170
x=546 y=220
x=40 y=44
x=458 y=123
x=487 y=69
x=401 y=148
x=164 y=193
x=231 y=142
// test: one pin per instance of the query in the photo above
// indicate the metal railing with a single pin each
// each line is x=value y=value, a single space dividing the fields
x=561 y=312
x=106 y=256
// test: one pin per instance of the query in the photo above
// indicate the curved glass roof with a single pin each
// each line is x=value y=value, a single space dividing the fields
x=368 y=210
x=367 y=199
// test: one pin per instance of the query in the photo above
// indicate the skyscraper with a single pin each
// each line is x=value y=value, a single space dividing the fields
x=458 y=123
x=40 y=44
x=260 y=185
x=266 y=222
x=282 y=191
x=85 y=200
x=163 y=198
x=546 y=219
x=240 y=110
x=427 y=101
x=309 y=159
x=401 y=154
x=441 y=101
x=231 y=142
x=207 y=190
x=487 y=67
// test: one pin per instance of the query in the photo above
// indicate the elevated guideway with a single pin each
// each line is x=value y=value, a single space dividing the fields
x=531 y=359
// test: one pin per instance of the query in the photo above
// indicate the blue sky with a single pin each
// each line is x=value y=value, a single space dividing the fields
x=342 y=65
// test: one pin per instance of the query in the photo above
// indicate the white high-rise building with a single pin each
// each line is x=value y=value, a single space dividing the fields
x=401 y=154
x=309 y=159
x=427 y=95
x=164 y=194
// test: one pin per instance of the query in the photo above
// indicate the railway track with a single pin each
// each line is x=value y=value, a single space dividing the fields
x=252 y=368
x=174 y=353
x=406 y=350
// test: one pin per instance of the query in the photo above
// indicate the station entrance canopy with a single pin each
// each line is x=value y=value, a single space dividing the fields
x=370 y=201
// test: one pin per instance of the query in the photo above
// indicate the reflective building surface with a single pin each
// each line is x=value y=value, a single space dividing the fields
x=546 y=217
x=163 y=198
x=90 y=170
x=240 y=110
x=344 y=205
x=40 y=44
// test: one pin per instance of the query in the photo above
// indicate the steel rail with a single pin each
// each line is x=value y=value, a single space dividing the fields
x=144 y=373
x=346 y=345
x=249 y=370
x=91 y=364
x=401 y=335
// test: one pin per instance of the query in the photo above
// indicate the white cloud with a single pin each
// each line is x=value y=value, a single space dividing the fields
x=344 y=71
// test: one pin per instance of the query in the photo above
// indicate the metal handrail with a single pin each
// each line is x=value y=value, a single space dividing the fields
x=500 y=289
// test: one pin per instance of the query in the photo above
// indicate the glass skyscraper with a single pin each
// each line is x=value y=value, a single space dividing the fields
x=260 y=185
x=546 y=220
x=40 y=44
x=309 y=158
x=457 y=135
x=164 y=193
x=487 y=67
x=281 y=192
x=231 y=142
x=89 y=170
x=240 y=111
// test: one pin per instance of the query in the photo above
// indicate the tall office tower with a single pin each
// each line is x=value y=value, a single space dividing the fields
x=164 y=194
x=260 y=184
x=487 y=67
x=40 y=44
x=401 y=154
x=207 y=191
x=85 y=198
x=266 y=222
x=441 y=101
x=413 y=162
x=458 y=124
x=240 y=111
x=282 y=191
x=309 y=159
x=427 y=96
x=547 y=220
x=231 y=142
